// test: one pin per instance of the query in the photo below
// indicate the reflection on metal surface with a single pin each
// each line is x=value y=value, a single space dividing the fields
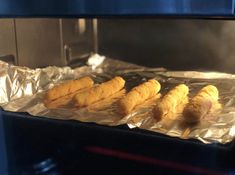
x=78 y=39
x=22 y=90
x=81 y=26
x=150 y=160
x=95 y=34
x=59 y=42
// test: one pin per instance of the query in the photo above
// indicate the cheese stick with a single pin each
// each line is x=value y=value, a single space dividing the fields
x=99 y=92
x=59 y=102
x=138 y=95
x=68 y=88
x=172 y=103
x=204 y=102
x=63 y=102
x=105 y=103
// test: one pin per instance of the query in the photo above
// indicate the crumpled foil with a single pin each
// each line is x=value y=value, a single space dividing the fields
x=22 y=90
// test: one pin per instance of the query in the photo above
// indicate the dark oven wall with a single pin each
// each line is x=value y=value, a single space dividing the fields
x=176 y=44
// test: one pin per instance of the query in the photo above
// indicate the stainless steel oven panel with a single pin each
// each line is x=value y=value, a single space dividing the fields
x=44 y=42
x=39 y=42
x=8 y=50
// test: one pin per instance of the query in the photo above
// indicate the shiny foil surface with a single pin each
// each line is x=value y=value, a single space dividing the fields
x=23 y=89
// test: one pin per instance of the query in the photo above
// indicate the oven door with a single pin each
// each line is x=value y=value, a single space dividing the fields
x=40 y=145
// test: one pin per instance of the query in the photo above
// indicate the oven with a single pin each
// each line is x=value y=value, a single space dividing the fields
x=176 y=35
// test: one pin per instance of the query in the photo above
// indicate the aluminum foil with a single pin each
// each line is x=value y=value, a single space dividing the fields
x=22 y=90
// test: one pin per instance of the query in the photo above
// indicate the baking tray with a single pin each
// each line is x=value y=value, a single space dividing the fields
x=23 y=90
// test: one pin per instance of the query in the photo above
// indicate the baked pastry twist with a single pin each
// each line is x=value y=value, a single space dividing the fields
x=206 y=101
x=68 y=87
x=172 y=103
x=99 y=92
x=138 y=95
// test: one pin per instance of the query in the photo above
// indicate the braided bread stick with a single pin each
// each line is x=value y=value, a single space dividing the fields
x=172 y=103
x=68 y=87
x=138 y=95
x=206 y=101
x=99 y=92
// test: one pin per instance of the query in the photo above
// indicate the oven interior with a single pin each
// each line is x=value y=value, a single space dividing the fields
x=37 y=145
x=174 y=34
x=175 y=44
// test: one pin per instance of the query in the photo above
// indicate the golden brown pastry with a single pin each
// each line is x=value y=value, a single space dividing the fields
x=63 y=102
x=68 y=88
x=107 y=102
x=172 y=103
x=99 y=92
x=59 y=102
x=204 y=102
x=138 y=95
